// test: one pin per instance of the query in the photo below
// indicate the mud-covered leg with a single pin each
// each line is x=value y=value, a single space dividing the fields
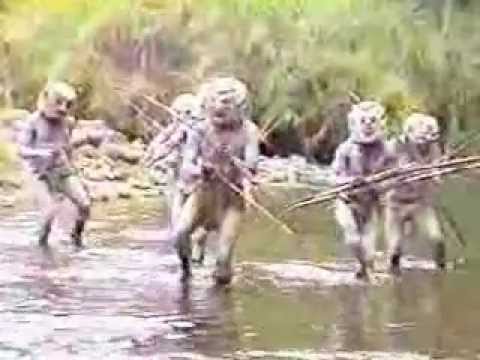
x=184 y=251
x=188 y=218
x=368 y=243
x=47 y=203
x=428 y=217
x=199 y=241
x=79 y=228
x=48 y=215
x=199 y=235
x=353 y=236
x=395 y=236
x=175 y=200
x=76 y=192
x=229 y=232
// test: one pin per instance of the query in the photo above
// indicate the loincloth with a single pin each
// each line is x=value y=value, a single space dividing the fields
x=56 y=179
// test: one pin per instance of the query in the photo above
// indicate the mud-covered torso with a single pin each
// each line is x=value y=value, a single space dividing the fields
x=166 y=149
x=410 y=154
x=358 y=160
x=224 y=150
x=44 y=134
x=366 y=159
x=221 y=153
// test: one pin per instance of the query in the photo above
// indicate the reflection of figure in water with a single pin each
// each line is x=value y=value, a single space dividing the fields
x=423 y=317
x=410 y=206
x=219 y=159
x=165 y=153
x=362 y=154
x=47 y=152
x=353 y=318
x=211 y=310
x=42 y=282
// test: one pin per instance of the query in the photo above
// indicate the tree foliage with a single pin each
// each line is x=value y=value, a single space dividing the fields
x=298 y=56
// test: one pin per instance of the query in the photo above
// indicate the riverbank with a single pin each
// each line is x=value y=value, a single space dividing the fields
x=110 y=165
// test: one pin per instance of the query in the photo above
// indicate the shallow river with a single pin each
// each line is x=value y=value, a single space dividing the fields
x=294 y=297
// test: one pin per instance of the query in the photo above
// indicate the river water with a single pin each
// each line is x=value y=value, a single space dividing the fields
x=294 y=297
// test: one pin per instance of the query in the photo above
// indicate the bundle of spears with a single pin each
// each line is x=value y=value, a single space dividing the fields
x=389 y=178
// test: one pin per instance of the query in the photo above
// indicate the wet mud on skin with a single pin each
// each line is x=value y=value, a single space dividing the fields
x=292 y=298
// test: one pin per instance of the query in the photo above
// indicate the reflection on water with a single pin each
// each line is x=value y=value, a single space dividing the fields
x=120 y=297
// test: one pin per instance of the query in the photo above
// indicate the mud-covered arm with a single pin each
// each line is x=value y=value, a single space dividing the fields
x=67 y=149
x=398 y=154
x=342 y=173
x=341 y=166
x=162 y=146
x=252 y=148
x=436 y=155
x=191 y=155
x=251 y=156
x=394 y=159
x=27 y=142
x=391 y=154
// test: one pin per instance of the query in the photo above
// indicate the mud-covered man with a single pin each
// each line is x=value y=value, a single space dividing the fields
x=219 y=160
x=410 y=206
x=165 y=153
x=165 y=150
x=45 y=146
x=364 y=153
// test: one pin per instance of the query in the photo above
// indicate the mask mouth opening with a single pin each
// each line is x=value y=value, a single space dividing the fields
x=426 y=137
x=225 y=115
x=220 y=114
x=61 y=113
x=53 y=114
x=431 y=138
x=370 y=131
x=194 y=118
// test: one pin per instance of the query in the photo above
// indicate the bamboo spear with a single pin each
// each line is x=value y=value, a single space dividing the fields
x=389 y=173
x=410 y=174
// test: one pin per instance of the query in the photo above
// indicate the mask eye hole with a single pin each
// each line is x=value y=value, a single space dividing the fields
x=188 y=112
x=61 y=101
x=225 y=101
